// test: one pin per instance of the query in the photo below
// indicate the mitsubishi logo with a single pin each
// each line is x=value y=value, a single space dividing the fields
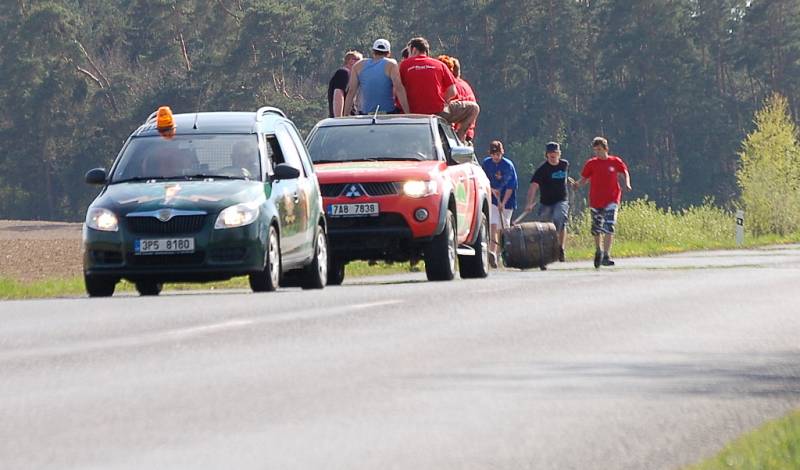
x=354 y=191
x=164 y=215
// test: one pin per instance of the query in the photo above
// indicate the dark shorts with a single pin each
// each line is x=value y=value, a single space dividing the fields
x=557 y=213
x=603 y=220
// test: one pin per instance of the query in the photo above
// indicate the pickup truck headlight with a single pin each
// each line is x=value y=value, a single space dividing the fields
x=102 y=219
x=237 y=216
x=415 y=188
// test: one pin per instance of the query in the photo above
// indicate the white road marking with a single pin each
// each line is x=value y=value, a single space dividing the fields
x=185 y=333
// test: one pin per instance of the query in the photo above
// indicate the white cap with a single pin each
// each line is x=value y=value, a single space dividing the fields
x=381 y=45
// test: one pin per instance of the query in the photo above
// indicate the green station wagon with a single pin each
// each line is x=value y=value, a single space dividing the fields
x=203 y=197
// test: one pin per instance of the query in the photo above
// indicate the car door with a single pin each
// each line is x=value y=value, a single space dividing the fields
x=463 y=185
x=309 y=186
x=290 y=200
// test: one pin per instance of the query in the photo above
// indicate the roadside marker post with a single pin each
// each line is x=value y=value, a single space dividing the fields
x=739 y=227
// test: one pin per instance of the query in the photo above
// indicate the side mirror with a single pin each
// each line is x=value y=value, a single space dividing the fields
x=96 y=176
x=284 y=171
x=462 y=154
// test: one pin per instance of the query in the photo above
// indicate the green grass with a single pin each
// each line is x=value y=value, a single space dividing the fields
x=773 y=446
x=643 y=229
x=11 y=289
x=14 y=290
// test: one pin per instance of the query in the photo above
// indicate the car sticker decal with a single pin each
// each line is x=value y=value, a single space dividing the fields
x=170 y=191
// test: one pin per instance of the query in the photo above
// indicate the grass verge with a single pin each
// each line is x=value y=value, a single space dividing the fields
x=15 y=290
x=773 y=446
x=643 y=230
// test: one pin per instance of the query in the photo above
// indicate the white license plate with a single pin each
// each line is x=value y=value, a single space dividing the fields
x=163 y=245
x=354 y=210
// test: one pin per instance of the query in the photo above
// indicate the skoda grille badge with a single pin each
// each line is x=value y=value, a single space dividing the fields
x=164 y=215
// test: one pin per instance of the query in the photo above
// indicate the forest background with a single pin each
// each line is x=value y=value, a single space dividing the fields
x=673 y=84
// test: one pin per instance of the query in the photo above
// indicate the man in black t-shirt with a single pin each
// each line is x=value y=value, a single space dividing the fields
x=550 y=180
x=337 y=86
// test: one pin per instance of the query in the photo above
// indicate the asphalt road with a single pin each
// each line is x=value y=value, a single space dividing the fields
x=653 y=364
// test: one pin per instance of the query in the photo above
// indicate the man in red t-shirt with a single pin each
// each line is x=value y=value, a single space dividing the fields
x=430 y=87
x=463 y=89
x=603 y=172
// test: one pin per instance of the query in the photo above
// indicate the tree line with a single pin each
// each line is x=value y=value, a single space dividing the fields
x=673 y=84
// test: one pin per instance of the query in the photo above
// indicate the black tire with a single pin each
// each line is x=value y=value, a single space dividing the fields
x=441 y=260
x=148 y=287
x=477 y=266
x=335 y=271
x=315 y=274
x=267 y=279
x=99 y=286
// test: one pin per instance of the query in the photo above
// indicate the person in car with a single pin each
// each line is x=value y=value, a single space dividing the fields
x=164 y=162
x=243 y=161
x=376 y=81
x=431 y=88
x=503 y=179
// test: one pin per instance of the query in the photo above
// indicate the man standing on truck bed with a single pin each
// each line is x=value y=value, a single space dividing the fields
x=376 y=81
x=430 y=87
x=337 y=86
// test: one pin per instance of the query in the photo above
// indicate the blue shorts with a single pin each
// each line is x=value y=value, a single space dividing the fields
x=603 y=220
x=557 y=213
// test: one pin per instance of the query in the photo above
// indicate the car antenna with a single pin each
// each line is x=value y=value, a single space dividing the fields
x=197 y=111
x=375 y=116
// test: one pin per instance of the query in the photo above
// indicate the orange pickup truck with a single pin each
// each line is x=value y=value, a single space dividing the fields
x=401 y=188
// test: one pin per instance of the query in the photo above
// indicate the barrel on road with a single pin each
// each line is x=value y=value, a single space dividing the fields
x=530 y=245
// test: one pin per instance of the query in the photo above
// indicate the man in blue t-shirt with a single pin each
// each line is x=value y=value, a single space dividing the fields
x=503 y=178
x=551 y=179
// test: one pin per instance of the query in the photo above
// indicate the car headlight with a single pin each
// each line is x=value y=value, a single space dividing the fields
x=237 y=216
x=102 y=219
x=415 y=188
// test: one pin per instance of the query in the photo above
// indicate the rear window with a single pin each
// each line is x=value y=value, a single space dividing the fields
x=225 y=155
x=372 y=142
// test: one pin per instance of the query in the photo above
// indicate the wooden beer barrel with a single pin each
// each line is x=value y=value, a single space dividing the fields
x=530 y=245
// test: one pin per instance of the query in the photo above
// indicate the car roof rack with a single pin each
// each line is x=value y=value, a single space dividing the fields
x=264 y=110
x=151 y=117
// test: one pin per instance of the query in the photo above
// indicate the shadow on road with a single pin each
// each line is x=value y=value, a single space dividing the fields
x=774 y=375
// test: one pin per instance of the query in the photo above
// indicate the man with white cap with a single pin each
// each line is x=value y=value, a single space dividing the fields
x=376 y=81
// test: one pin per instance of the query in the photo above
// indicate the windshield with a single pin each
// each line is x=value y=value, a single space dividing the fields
x=233 y=156
x=372 y=142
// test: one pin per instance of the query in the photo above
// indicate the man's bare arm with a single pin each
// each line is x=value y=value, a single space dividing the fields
x=451 y=93
x=628 y=181
x=531 y=196
x=399 y=89
x=338 y=102
x=506 y=197
x=352 y=90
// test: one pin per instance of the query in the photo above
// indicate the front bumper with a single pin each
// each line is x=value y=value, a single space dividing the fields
x=393 y=235
x=217 y=255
